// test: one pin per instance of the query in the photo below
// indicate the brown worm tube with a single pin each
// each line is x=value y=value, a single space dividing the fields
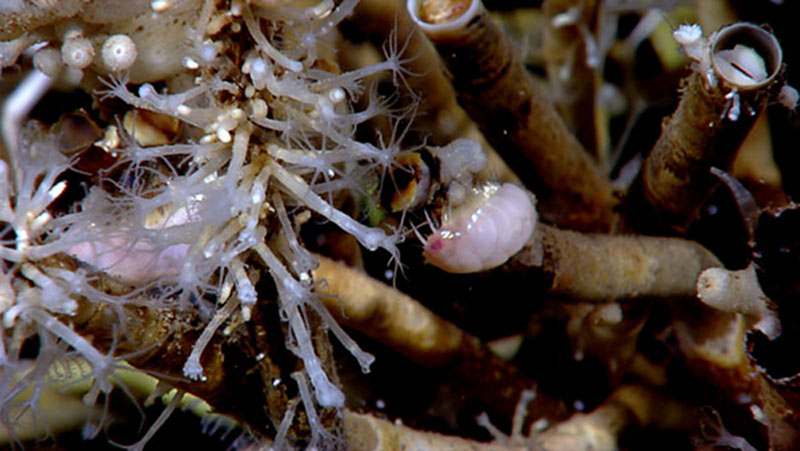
x=500 y=95
x=629 y=405
x=721 y=101
x=395 y=319
x=368 y=433
x=439 y=117
x=739 y=292
x=605 y=268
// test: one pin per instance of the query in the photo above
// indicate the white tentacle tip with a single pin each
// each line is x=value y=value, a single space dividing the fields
x=193 y=370
x=688 y=34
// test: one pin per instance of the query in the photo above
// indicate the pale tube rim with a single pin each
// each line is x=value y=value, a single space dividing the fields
x=432 y=29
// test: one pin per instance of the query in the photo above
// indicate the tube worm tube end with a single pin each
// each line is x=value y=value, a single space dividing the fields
x=745 y=56
x=436 y=17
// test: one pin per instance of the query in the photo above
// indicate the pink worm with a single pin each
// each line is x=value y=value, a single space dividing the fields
x=136 y=263
x=485 y=233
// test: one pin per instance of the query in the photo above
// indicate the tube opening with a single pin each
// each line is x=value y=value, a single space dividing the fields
x=745 y=55
x=443 y=15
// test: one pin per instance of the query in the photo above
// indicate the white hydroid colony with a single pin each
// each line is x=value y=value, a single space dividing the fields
x=267 y=131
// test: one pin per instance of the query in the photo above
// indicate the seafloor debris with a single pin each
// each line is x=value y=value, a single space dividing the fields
x=313 y=216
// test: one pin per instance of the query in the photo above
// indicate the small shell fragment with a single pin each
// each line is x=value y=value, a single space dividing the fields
x=413 y=182
x=74 y=132
x=149 y=128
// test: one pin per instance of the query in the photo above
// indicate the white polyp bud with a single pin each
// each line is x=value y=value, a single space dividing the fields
x=336 y=95
x=610 y=314
x=160 y=6
x=208 y=53
x=460 y=159
x=696 y=47
x=570 y=17
x=259 y=107
x=184 y=110
x=735 y=108
x=189 y=63
x=48 y=60
x=230 y=120
x=209 y=138
x=77 y=53
x=788 y=97
x=40 y=221
x=258 y=73
x=223 y=135
x=688 y=34
x=119 y=52
x=56 y=191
